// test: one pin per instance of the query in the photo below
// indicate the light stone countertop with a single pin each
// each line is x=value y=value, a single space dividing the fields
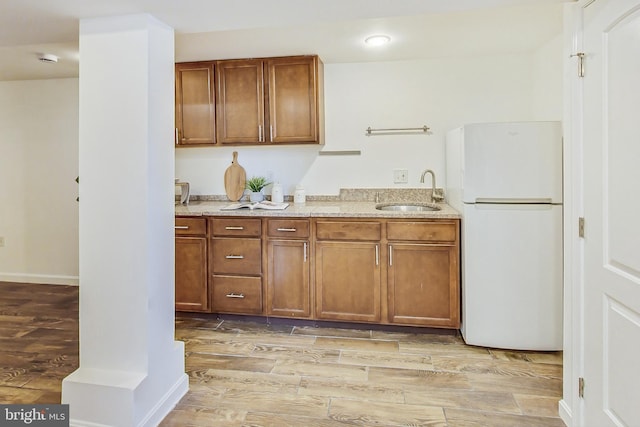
x=340 y=209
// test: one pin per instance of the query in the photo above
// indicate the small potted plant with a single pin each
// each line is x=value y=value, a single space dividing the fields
x=255 y=185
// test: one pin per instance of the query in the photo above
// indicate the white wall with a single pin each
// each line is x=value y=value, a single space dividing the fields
x=547 y=80
x=38 y=167
x=440 y=93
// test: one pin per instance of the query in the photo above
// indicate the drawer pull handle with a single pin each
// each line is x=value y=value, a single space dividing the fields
x=377 y=255
x=234 y=228
x=291 y=230
x=234 y=257
x=232 y=295
x=390 y=256
x=181 y=227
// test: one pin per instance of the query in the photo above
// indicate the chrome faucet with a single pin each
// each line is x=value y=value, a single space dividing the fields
x=436 y=194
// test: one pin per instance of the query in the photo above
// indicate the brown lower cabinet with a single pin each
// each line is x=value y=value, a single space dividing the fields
x=348 y=281
x=288 y=268
x=386 y=271
x=192 y=292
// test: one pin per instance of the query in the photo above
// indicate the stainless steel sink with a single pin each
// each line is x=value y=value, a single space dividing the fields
x=407 y=207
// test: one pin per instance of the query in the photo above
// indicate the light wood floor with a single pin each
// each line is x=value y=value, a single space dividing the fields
x=255 y=374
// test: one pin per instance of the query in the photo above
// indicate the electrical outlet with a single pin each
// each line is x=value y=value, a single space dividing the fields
x=1 y=242
x=400 y=176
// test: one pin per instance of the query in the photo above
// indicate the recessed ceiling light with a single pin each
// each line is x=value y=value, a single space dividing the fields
x=377 y=40
x=48 y=58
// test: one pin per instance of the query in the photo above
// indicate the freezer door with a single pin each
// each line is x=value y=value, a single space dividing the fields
x=512 y=276
x=520 y=160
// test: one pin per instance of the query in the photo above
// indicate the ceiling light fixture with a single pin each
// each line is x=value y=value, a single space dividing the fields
x=377 y=40
x=47 y=58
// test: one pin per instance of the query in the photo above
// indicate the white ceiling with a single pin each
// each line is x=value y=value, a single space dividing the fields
x=334 y=29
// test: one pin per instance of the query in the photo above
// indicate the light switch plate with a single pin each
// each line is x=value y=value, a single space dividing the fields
x=400 y=176
x=1 y=242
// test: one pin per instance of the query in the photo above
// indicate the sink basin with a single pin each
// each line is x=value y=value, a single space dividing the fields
x=407 y=207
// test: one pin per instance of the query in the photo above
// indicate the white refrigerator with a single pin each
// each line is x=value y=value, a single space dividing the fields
x=506 y=180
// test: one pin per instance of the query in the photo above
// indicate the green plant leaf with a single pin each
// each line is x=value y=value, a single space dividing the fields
x=257 y=183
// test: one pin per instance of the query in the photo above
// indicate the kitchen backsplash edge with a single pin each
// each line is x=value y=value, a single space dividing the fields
x=382 y=195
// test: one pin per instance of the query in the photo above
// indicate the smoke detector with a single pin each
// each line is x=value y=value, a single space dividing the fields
x=48 y=58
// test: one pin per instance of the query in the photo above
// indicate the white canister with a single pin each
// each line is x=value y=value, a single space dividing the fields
x=299 y=195
x=277 y=196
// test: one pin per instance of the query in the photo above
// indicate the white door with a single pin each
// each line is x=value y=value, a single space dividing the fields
x=611 y=129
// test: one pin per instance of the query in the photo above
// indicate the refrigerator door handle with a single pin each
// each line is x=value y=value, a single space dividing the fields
x=498 y=201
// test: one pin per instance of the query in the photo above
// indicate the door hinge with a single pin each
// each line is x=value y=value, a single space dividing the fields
x=580 y=56
x=581 y=387
x=581 y=227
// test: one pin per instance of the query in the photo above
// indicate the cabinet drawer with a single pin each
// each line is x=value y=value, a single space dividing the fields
x=236 y=294
x=444 y=231
x=291 y=228
x=241 y=227
x=190 y=226
x=342 y=230
x=236 y=256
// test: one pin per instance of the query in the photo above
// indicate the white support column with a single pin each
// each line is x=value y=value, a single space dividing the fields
x=131 y=368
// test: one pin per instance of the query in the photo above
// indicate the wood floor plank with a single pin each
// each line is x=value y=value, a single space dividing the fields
x=389 y=360
x=464 y=399
x=257 y=419
x=243 y=380
x=217 y=346
x=385 y=414
x=485 y=366
x=419 y=378
x=543 y=406
x=350 y=390
x=296 y=353
x=553 y=357
x=275 y=339
x=519 y=385
x=332 y=332
x=309 y=406
x=448 y=349
x=191 y=416
x=320 y=370
x=467 y=418
x=195 y=361
x=356 y=344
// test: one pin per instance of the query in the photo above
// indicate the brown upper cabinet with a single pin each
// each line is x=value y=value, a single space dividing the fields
x=195 y=104
x=270 y=101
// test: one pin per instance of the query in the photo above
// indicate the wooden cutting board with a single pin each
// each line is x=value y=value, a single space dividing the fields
x=235 y=179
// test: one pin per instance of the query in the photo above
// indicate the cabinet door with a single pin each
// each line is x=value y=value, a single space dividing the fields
x=423 y=285
x=191 y=274
x=288 y=278
x=293 y=100
x=348 y=281
x=195 y=104
x=240 y=102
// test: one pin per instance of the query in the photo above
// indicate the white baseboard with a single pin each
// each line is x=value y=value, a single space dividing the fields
x=565 y=412
x=167 y=403
x=46 y=279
